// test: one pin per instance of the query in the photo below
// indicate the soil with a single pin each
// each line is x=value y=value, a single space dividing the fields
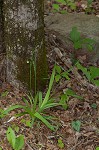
x=39 y=137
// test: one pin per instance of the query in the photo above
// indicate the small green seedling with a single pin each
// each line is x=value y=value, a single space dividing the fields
x=65 y=97
x=56 y=7
x=97 y=148
x=76 y=125
x=15 y=128
x=89 y=8
x=69 y=3
x=60 y=143
x=17 y=143
x=89 y=2
x=61 y=74
x=91 y=73
x=28 y=123
x=4 y=94
x=94 y=105
x=79 y=42
x=64 y=100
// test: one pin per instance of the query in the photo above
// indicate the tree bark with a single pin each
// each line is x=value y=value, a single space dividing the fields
x=24 y=37
x=2 y=45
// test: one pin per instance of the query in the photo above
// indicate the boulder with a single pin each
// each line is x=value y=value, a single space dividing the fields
x=87 y=25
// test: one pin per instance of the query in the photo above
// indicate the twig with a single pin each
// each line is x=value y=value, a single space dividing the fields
x=29 y=146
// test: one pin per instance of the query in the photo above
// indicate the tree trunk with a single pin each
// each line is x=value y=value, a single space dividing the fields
x=2 y=45
x=24 y=37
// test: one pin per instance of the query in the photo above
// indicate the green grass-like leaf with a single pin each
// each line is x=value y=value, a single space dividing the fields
x=13 y=107
x=49 y=89
x=40 y=117
x=84 y=70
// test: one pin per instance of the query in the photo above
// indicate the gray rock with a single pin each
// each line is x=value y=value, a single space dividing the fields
x=88 y=25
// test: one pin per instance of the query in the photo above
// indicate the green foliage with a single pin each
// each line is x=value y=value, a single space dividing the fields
x=61 y=74
x=75 y=34
x=16 y=128
x=5 y=112
x=89 y=2
x=65 y=97
x=4 y=94
x=84 y=70
x=63 y=101
x=91 y=73
x=80 y=42
x=60 y=143
x=94 y=105
x=17 y=143
x=56 y=7
x=61 y=1
x=69 y=92
x=35 y=106
x=89 y=43
x=70 y=3
x=28 y=123
x=97 y=148
x=76 y=125
x=89 y=8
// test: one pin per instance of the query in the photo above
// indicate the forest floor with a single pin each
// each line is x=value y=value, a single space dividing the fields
x=39 y=137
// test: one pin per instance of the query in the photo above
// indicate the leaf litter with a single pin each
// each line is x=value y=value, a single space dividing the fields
x=78 y=125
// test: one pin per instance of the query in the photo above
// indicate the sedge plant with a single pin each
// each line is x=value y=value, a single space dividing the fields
x=35 y=106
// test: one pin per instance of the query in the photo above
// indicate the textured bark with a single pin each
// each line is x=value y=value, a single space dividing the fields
x=1 y=28
x=24 y=34
x=2 y=45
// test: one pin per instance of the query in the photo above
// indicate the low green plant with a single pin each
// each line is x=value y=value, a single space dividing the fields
x=15 y=128
x=64 y=98
x=1 y=112
x=79 y=42
x=17 y=143
x=76 y=125
x=70 y=3
x=89 y=3
x=91 y=73
x=61 y=74
x=94 y=105
x=4 y=94
x=89 y=8
x=35 y=106
x=97 y=148
x=60 y=143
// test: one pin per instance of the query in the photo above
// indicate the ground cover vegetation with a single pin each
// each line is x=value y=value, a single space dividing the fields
x=66 y=114
x=64 y=6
